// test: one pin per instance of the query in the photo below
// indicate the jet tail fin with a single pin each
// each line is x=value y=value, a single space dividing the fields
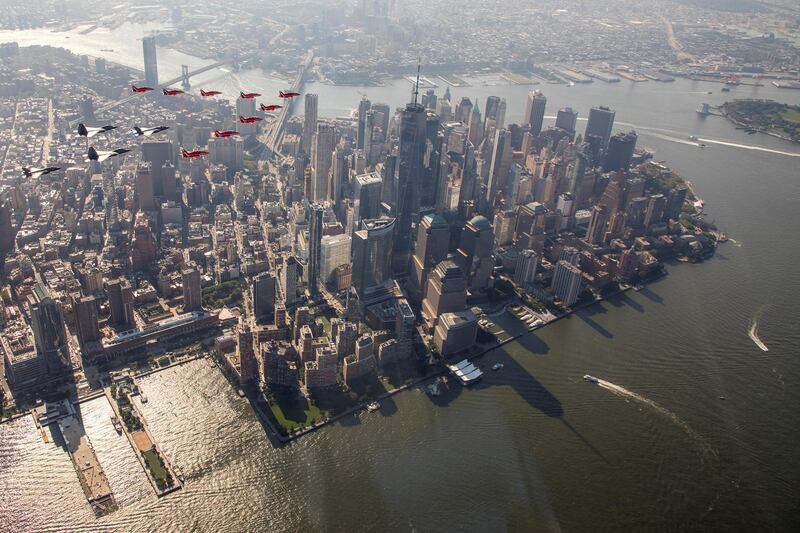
x=93 y=155
x=138 y=130
x=27 y=172
x=82 y=130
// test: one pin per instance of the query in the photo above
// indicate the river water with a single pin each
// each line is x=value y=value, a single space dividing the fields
x=653 y=447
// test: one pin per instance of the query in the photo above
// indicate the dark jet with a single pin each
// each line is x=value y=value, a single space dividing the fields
x=101 y=156
x=29 y=172
x=85 y=131
x=147 y=132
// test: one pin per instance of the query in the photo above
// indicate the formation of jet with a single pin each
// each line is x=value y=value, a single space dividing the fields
x=29 y=172
x=147 y=132
x=248 y=96
x=225 y=133
x=271 y=107
x=209 y=93
x=85 y=131
x=287 y=94
x=136 y=89
x=171 y=92
x=249 y=120
x=194 y=154
x=101 y=156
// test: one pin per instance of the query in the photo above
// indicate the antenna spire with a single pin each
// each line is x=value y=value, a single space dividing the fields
x=416 y=84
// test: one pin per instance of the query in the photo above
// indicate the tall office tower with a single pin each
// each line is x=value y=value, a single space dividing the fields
x=529 y=231
x=315 y=229
x=579 y=166
x=228 y=152
x=6 y=231
x=321 y=158
x=566 y=283
x=363 y=107
x=246 y=107
x=503 y=223
x=474 y=254
x=150 y=63
x=600 y=124
x=499 y=167
x=345 y=339
x=495 y=113
x=655 y=210
x=567 y=119
x=429 y=100
x=525 y=272
x=309 y=121
x=464 y=110
x=570 y=254
x=144 y=187
x=476 y=131
x=433 y=243
x=675 y=200
x=87 y=109
x=263 y=291
x=367 y=196
x=157 y=154
x=614 y=194
x=534 y=111
x=49 y=331
x=384 y=112
x=565 y=206
x=635 y=211
x=445 y=292
x=371 y=151
x=429 y=186
x=340 y=172
x=335 y=252
x=411 y=159
x=120 y=301
x=192 y=290
x=372 y=254
x=597 y=225
x=248 y=364
x=620 y=151
x=86 y=322
x=289 y=275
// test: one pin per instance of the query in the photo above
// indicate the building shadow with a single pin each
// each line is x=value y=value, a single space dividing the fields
x=648 y=293
x=586 y=315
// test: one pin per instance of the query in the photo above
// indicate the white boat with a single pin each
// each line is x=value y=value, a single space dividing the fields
x=373 y=406
x=692 y=137
x=116 y=424
x=433 y=389
x=497 y=366
x=590 y=379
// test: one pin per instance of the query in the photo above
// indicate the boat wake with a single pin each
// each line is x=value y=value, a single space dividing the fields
x=625 y=393
x=753 y=331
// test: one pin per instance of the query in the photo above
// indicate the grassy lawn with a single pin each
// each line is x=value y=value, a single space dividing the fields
x=155 y=465
x=296 y=414
x=791 y=115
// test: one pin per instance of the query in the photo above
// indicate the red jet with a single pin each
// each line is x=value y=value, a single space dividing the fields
x=248 y=96
x=249 y=120
x=171 y=92
x=271 y=107
x=288 y=94
x=136 y=89
x=194 y=154
x=225 y=133
x=209 y=93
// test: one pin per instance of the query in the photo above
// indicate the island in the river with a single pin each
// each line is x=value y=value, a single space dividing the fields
x=765 y=116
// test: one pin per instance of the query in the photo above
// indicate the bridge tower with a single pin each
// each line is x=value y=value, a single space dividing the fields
x=185 y=76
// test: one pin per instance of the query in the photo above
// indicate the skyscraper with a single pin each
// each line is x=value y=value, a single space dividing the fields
x=289 y=275
x=534 y=111
x=597 y=224
x=567 y=119
x=433 y=243
x=525 y=272
x=315 y=247
x=321 y=158
x=367 y=196
x=363 y=107
x=372 y=257
x=248 y=364
x=150 y=63
x=246 y=107
x=499 y=167
x=120 y=300
x=445 y=292
x=566 y=283
x=620 y=151
x=86 y=323
x=409 y=175
x=600 y=123
x=655 y=210
x=158 y=154
x=192 y=291
x=474 y=254
x=49 y=331
x=144 y=187
x=309 y=121
x=264 y=295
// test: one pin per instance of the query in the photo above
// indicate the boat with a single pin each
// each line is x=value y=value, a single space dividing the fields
x=701 y=145
x=433 y=389
x=240 y=392
x=726 y=89
x=497 y=366
x=373 y=406
x=143 y=397
x=116 y=424
x=590 y=379
x=693 y=137
x=722 y=398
